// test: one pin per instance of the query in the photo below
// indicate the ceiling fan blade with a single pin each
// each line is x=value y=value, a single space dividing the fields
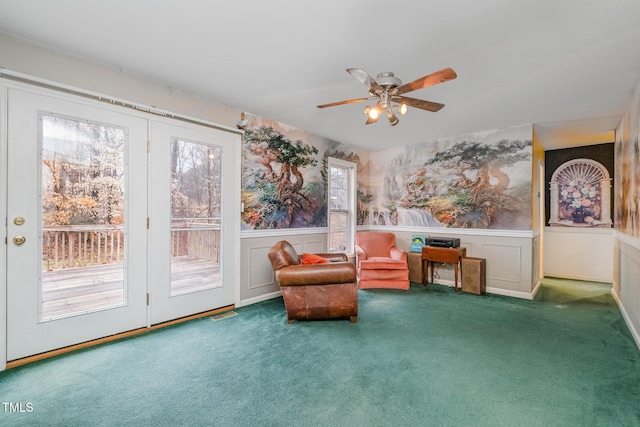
x=426 y=81
x=348 y=101
x=364 y=78
x=418 y=103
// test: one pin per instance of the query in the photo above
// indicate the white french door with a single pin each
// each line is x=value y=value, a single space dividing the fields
x=192 y=195
x=105 y=236
x=76 y=251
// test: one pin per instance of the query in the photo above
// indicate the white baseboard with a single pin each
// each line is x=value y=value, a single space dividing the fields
x=536 y=289
x=578 y=277
x=514 y=294
x=627 y=319
x=497 y=291
x=258 y=299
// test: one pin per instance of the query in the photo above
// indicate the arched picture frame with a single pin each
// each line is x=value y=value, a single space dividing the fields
x=580 y=194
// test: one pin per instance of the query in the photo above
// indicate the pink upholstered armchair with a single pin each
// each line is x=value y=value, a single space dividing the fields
x=380 y=263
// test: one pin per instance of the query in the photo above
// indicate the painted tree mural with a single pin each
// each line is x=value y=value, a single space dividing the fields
x=477 y=181
x=480 y=190
x=275 y=195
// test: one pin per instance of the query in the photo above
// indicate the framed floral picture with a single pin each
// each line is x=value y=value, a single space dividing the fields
x=579 y=193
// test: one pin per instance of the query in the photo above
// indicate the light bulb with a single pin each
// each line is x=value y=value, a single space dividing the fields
x=393 y=119
x=402 y=109
x=374 y=113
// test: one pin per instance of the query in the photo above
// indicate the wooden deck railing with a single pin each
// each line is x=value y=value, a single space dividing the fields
x=196 y=240
x=81 y=245
x=86 y=245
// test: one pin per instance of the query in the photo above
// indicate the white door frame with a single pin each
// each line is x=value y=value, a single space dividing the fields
x=3 y=234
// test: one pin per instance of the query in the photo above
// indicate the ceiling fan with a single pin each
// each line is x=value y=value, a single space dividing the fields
x=387 y=90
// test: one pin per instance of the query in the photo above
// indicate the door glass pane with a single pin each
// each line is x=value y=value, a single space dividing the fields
x=83 y=247
x=195 y=216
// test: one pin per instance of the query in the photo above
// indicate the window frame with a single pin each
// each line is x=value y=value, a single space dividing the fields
x=351 y=169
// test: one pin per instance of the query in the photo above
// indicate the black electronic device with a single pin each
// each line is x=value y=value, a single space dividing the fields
x=443 y=242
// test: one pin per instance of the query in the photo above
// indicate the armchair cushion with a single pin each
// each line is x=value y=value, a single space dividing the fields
x=377 y=263
x=313 y=259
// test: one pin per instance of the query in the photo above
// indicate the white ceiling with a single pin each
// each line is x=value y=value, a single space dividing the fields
x=568 y=67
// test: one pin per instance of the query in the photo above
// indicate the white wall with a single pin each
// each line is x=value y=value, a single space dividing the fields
x=579 y=253
x=47 y=64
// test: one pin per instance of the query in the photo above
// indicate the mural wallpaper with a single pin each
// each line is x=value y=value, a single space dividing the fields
x=627 y=174
x=284 y=176
x=481 y=180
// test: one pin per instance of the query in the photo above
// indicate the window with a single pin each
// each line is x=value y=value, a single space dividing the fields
x=342 y=222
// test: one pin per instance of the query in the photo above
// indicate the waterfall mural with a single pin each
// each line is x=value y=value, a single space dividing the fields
x=482 y=180
x=284 y=176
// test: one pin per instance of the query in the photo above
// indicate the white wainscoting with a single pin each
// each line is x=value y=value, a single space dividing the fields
x=626 y=289
x=579 y=253
x=257 y=281
x=509 y=256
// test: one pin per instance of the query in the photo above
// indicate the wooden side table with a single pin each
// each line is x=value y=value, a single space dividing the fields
x=432 y=254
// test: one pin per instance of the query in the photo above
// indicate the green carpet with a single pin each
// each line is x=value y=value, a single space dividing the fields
x=424 y=357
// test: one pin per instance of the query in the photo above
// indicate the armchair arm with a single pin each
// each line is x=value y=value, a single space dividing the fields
x=316 y=274
x=360 y=253
x=397 y=253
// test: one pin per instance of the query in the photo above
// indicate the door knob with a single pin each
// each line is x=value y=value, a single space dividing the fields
x=18 y=220
x=18 y=240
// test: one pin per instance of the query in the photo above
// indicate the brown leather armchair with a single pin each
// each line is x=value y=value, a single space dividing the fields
x=315 y=291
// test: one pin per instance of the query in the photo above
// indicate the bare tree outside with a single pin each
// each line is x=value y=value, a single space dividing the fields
x=83 y=214
x=196 y=189
x=83 y=173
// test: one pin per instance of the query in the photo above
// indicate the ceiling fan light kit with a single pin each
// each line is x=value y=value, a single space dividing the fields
x=393 y=119
x=387 y=90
